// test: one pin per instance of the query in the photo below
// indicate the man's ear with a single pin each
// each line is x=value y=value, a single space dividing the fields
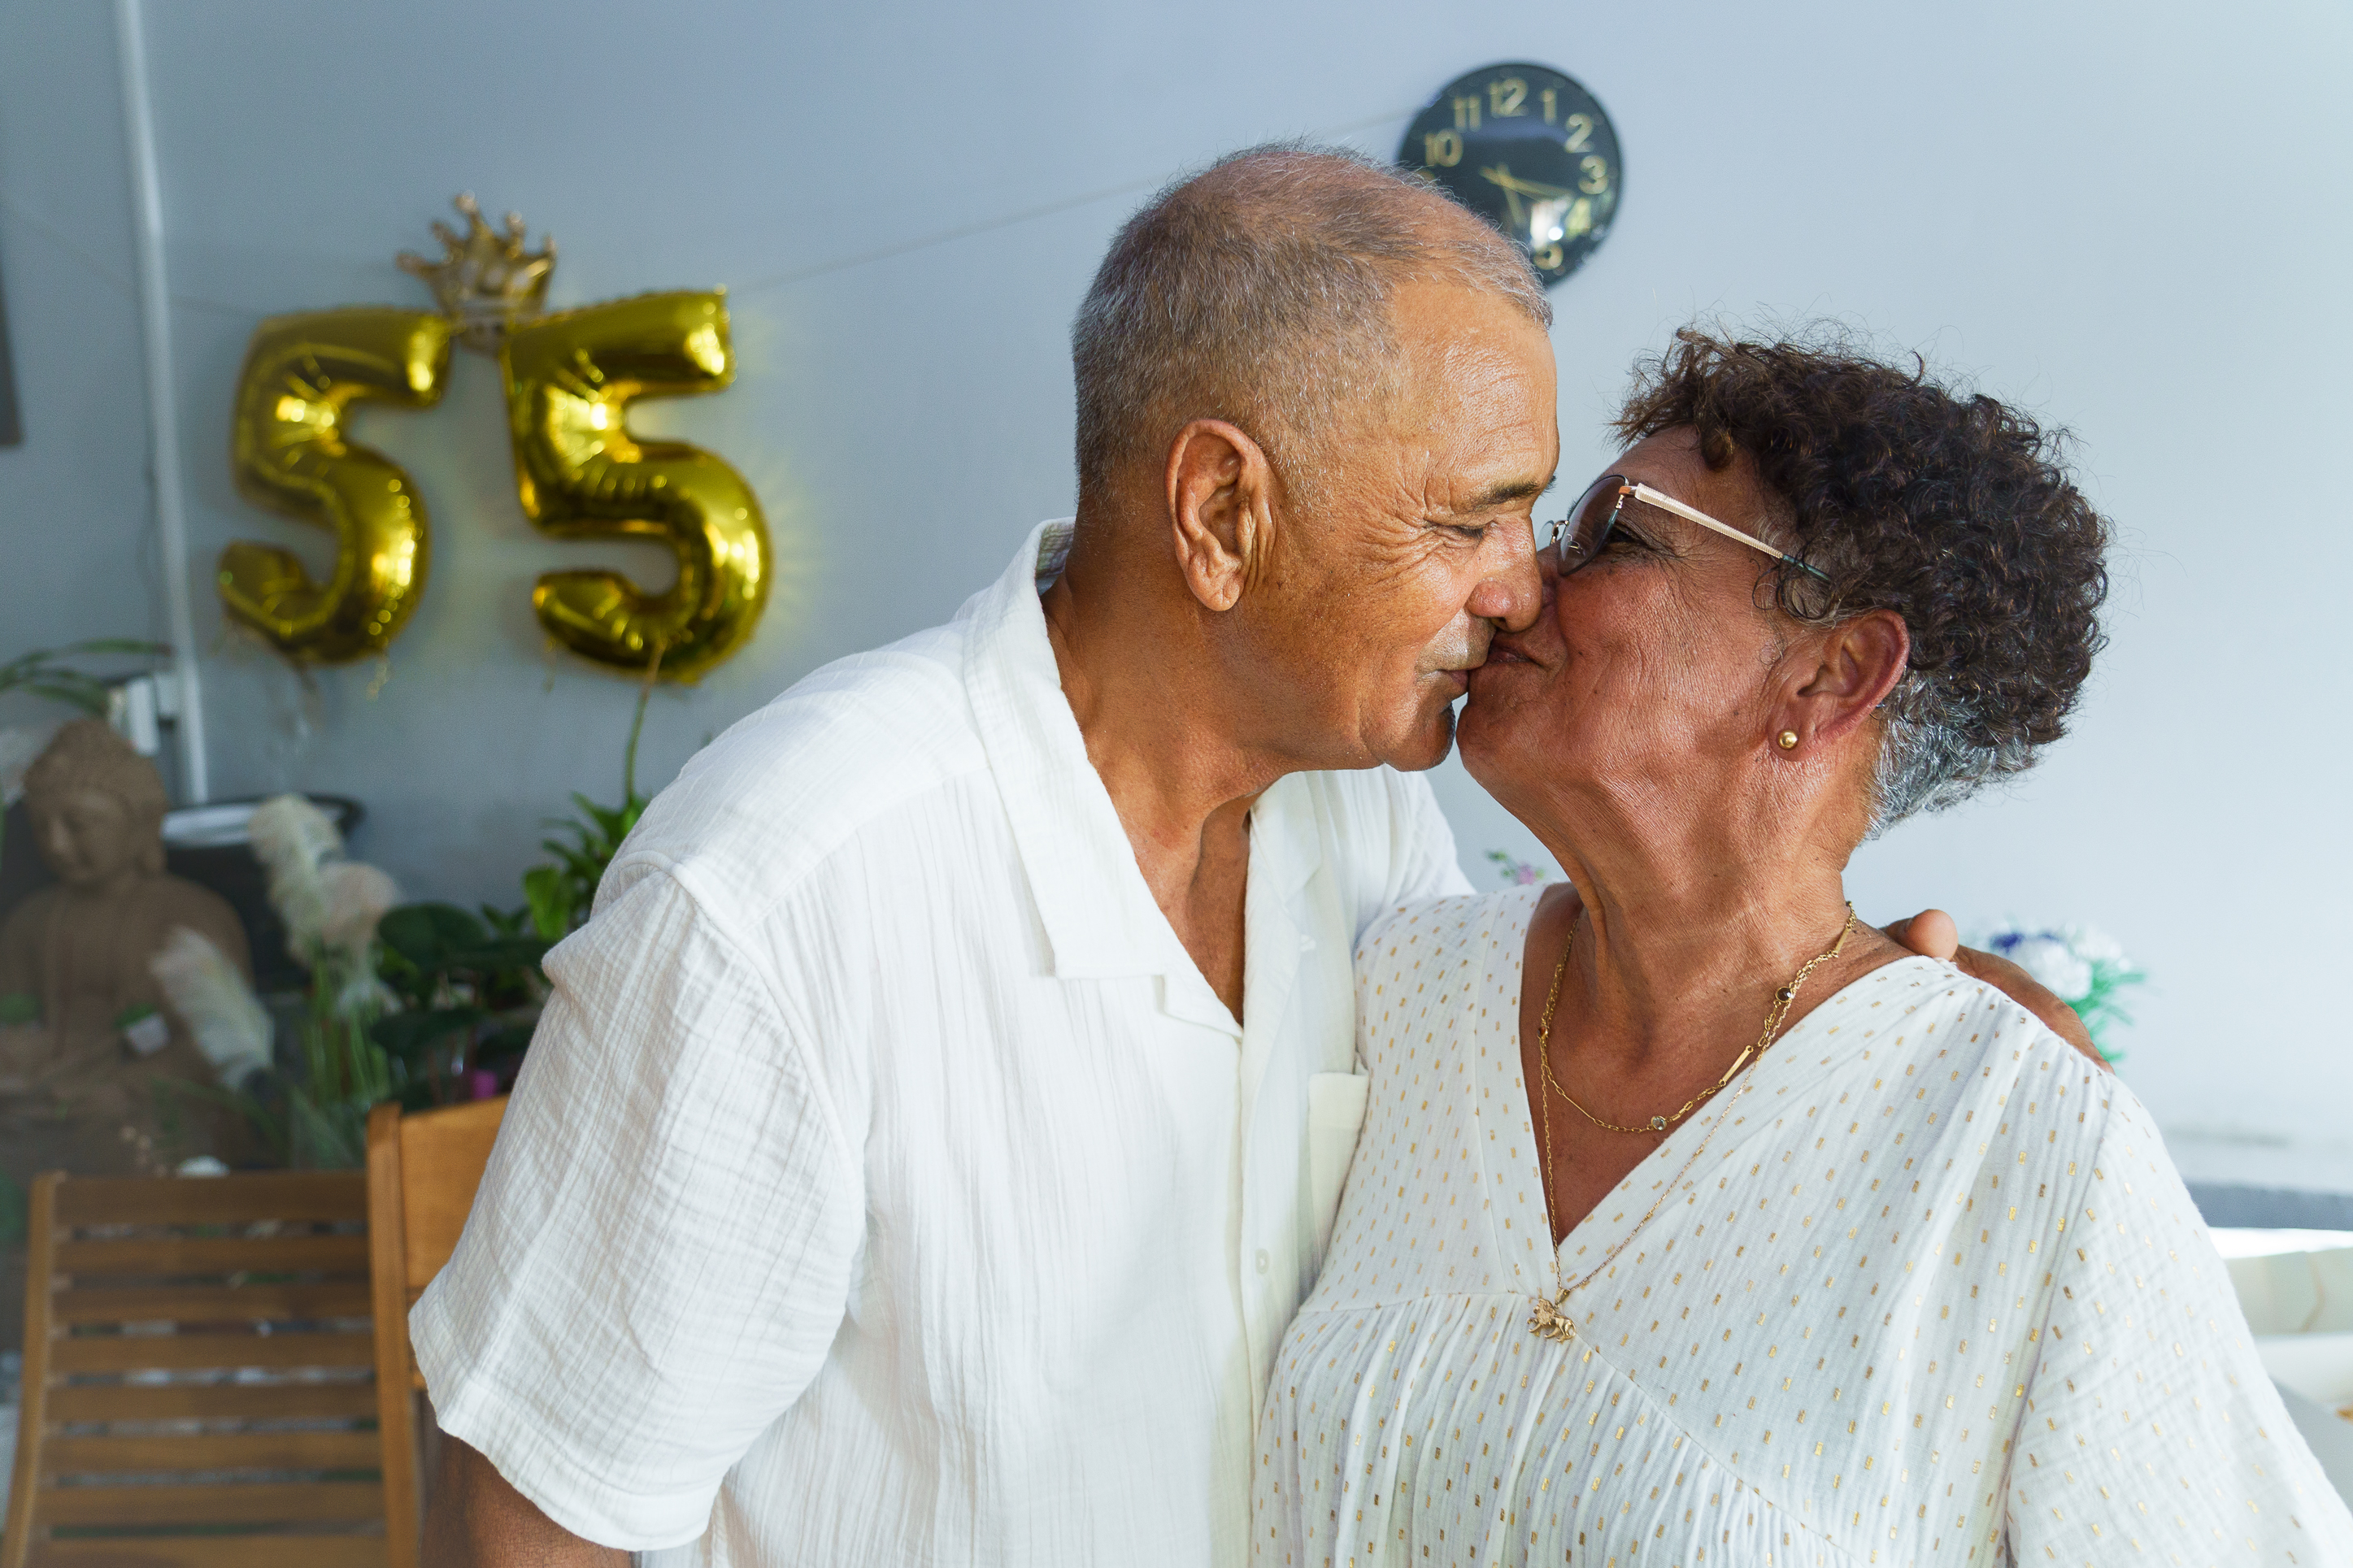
x=1857 y=664
x=1220 y=495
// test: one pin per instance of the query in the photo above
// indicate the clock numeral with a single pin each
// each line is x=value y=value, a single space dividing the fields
x=1595 y=171
x=1580 y=221
x=1466 y=113
x=1441 y=149
x=1547 y=257
x=1580 y=132
x=1507 y=97
x=1551 y=103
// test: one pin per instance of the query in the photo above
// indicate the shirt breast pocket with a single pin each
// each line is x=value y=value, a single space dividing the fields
x=1335 y=1116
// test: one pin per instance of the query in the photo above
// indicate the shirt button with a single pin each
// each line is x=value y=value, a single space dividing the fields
x=1265 y=1260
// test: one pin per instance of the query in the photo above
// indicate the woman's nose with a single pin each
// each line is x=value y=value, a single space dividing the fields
x=1511 y=595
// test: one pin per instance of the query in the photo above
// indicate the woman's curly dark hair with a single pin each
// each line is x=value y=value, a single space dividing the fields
x=1953 y=510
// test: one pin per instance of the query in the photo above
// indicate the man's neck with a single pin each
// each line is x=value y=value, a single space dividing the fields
x=1161 y=732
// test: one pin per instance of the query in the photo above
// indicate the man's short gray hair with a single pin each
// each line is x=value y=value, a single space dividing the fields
x=1257 y=292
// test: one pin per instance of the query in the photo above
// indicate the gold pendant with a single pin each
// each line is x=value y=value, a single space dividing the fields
x=1549 y=1322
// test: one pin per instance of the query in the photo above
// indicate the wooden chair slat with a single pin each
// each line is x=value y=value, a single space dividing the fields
x=223 y=1200
x=74 y=1281
x=442 y=1155
x=32 y=1416
x=404 y=1497
x=422 y=1172
x=213 y=1303
x=210 y=1401
x=196 y=1352
x=217 y=1552
x=266 y=1502
x=338 y=1254
x=211 y=1451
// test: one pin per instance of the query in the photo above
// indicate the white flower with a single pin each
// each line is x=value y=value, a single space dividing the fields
x=231 y=1027
x=2093 y=945
x=292 y=839
x=2050 y=961
x=366 y=996
x=353 y=896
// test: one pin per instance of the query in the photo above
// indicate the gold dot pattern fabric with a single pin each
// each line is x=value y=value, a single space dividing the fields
x=1933 y=1294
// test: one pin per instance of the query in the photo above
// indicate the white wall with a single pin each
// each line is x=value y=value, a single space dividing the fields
x=2130 y=217
x=77 y=557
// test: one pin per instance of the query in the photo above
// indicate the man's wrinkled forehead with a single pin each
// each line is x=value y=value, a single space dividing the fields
x=1474 y=414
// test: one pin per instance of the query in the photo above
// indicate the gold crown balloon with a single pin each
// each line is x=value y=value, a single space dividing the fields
x=488 y=282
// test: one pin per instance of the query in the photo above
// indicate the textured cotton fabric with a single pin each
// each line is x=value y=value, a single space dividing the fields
x=1933 y=1293
x=885 y=1184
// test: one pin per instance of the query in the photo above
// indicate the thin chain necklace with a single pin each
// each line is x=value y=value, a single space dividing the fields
x=1550 y=1320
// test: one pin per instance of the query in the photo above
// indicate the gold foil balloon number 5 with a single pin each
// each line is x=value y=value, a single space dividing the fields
x=570 y=380
x=301 y=375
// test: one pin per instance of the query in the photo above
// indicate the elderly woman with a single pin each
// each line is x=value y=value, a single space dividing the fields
x=1693 y=1222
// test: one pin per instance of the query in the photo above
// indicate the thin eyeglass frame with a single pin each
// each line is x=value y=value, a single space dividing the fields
x=1669 y=504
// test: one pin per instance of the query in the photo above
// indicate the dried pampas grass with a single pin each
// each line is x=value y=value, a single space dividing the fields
x=354 y=897
x=325 y=901
x=232 y=1028
x=292 y=839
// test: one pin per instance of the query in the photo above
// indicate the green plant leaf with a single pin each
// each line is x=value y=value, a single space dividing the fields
x=405 y=1034
x=87 y=696
x=138 y=646
x=509 y=1040
x=550 y=901
x=19 y=1007
x=507 y=922
x=260 y=1112
x=319 y=1138
x=426 y=934
x=497 y=955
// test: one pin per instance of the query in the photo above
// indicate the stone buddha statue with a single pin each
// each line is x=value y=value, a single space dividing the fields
x=78 y=1088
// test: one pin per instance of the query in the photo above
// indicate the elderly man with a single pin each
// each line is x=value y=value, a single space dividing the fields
x=931 y=1136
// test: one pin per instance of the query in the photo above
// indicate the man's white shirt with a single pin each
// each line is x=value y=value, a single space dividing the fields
x=885 y=1184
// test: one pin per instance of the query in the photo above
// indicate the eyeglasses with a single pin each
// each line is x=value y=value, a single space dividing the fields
x=1576 y=539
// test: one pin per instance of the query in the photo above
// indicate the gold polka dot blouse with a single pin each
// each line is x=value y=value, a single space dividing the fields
x=1933 y=1294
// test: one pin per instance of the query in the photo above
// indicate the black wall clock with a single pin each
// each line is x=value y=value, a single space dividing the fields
x=1531 y=150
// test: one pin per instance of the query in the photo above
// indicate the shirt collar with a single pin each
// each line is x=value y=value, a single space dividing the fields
x=1099 y=915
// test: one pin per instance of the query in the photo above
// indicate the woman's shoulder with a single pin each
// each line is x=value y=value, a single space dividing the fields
x=1413 y=934
x=1967 y=1055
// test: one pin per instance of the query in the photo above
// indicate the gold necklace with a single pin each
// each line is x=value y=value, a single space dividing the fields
x=1550 y=1318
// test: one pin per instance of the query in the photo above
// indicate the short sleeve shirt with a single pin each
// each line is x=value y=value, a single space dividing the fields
x=885 y=1184
x=1923 y=1287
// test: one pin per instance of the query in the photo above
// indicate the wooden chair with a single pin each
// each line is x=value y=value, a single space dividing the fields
x=422 y=1171
x=198 y=1389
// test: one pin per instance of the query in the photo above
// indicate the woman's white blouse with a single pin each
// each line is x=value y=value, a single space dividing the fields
x=1932 y=1293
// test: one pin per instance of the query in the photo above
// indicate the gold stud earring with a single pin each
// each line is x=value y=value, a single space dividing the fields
x=1789 y=739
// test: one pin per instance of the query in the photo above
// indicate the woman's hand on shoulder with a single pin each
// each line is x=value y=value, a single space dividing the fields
x=1932 y=934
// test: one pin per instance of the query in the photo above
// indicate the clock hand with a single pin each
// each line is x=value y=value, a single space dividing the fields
x=1501 y=177
x=1501 y=174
